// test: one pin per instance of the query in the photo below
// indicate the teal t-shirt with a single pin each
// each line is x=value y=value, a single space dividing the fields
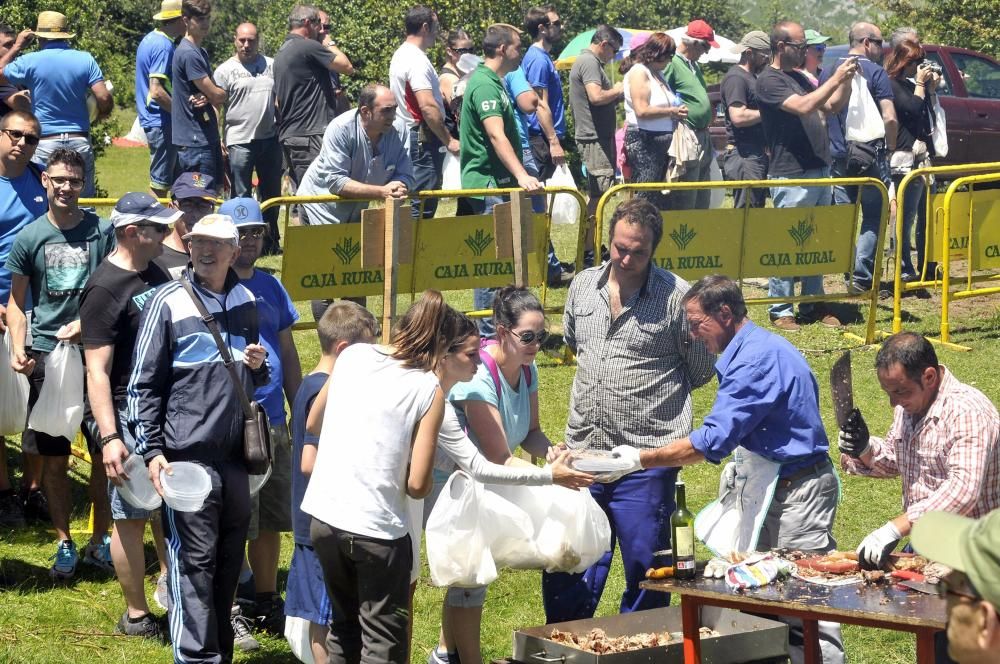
x=515 y=407
x=58 y=263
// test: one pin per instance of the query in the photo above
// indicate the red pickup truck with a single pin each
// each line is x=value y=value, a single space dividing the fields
x=970 y=97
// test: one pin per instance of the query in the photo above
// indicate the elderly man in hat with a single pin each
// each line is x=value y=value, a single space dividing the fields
x=59 y=78
x=745 y=157
x=110 y=307
x=183 y=405
x=152 y=93
x=685 y=78
x=194 y=195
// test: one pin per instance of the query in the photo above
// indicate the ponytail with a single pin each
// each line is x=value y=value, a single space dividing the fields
x=428 y=330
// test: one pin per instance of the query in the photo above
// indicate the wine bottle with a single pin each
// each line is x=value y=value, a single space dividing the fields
x=682 y=537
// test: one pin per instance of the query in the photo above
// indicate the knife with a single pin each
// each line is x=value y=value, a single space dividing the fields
x=914 y=581
x=842 y=388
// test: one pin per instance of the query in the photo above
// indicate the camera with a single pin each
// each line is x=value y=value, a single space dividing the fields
x=933 y=67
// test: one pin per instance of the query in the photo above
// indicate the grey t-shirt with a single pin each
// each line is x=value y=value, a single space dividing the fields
x=592 y=122
x=250 y=107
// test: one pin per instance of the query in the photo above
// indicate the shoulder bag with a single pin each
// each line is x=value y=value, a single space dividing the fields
x=256 y=431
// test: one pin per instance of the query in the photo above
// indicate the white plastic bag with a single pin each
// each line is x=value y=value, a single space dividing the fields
x=297 y=635
x=864 y=121
x=13 y=394
x=565 y=208
x=511 y=533
x=451 y=172
x=457 y=551
x=718 y=195
x=940 y=133
x=59 y=409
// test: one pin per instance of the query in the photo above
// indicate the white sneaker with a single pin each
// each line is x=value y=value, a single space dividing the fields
x=161 y=596
x=242 y=638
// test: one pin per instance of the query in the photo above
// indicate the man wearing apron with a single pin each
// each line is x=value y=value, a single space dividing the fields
x=767 y=410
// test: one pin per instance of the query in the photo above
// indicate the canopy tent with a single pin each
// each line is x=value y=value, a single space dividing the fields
x=724 y=54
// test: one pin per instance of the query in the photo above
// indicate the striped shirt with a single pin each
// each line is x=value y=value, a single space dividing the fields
x=949 y=459
x=635 y=374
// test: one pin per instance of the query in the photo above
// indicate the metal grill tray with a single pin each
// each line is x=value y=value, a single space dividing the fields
x=742 y=638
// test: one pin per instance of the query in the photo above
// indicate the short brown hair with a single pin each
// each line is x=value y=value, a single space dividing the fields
x=345 y=321
x=196 y=8
x=23 y=115
x=638 y=212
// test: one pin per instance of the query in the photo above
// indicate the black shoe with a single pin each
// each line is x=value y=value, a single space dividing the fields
x=36 y=507
x=269 y=613
x=147 y=627
x=11 y=511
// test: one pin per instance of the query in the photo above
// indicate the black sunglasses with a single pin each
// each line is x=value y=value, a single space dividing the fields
x=877 y=42
x=798 y=45
x=16 y=135
x=463 y=51
x=529 y=337
x=255 y=233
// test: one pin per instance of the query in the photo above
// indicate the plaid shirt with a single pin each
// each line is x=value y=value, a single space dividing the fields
x=634 y=375
x=949 y=459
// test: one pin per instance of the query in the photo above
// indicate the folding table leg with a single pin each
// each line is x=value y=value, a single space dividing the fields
x=925 y=646
x=691 y=623
x=810 y=635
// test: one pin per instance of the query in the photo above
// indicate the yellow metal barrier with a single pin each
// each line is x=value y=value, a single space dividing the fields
x=981 y=245
x=290 y=263
x=930 y=220
x=831 y=238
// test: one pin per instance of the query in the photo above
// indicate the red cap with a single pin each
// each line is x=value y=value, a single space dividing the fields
x=699 y=29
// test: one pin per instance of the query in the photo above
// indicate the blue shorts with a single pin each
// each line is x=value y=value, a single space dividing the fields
x=162 y=157
x=121 y=508
x=305 y=593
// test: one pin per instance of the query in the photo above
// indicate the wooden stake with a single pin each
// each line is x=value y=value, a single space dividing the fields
x=391 y=254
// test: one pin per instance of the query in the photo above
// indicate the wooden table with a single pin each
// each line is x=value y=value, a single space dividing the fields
x=887 y=607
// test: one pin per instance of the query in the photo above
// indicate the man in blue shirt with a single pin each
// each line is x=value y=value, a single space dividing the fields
x=153 y=70
x=768 y=404
x=270 y=513
x=866 y=47
x=22 y=200
x=59 y=78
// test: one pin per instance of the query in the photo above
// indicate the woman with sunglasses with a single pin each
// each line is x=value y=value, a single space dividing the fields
x=458 y=44
x=499 y=408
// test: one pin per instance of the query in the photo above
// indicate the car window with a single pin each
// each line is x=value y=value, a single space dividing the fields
x=944 y=88
x=981 y=76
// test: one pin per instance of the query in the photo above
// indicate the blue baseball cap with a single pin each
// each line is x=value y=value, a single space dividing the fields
x=244 y=211
x=194 y=185
x=136 y=207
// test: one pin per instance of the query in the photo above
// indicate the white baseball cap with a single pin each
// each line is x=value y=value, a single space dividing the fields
x=218 y=226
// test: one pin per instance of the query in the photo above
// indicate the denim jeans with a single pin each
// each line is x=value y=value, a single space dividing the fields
x=427 y=159
x=913 y=213
x=205 y=159
x=871 y=212
x=482 y=298
x=79 y=145
x=264 y=156
x=162 y=157
x=790 y=197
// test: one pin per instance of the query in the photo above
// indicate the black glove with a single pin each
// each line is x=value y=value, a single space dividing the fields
x=854 y=435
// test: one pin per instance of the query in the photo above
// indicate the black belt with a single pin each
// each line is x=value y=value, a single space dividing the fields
x=802 y=473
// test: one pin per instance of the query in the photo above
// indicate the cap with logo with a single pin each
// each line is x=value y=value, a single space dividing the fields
x=699 y=29
x=194 y=185
x=244 y=211
x=971 y=546
x=814 y=38
x=756 y=40
x=136 y=207
x=169 y=10
x=216 y=226
x=53 y=25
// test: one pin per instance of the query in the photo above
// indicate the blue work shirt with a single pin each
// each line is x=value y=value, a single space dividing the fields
x=59 y=78
x=153 y=59
x=275 y=313
x=768 y=402
x=541 y=73
x=879 y=86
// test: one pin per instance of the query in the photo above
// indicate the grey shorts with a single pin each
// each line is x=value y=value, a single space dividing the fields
x=121 y=509
x=271 y=508
x=599 y=158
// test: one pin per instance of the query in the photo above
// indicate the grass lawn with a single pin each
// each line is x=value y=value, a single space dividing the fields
x=42 y=621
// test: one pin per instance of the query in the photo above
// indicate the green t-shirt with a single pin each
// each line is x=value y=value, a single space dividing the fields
x=58 y=263
x=690 y=87
x=485 y=97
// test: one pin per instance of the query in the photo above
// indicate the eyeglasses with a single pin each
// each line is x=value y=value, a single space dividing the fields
x=959 y=585
x=463 y=51
x=195 y=205
x=820 y=48
x=74 y=183
x=16 y=135
x=253 y=233
x=530 y=337
x=874 y=40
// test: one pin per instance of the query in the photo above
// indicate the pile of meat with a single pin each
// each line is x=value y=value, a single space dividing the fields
x=599 y=643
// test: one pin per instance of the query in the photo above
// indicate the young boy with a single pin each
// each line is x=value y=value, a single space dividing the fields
x=344 y=323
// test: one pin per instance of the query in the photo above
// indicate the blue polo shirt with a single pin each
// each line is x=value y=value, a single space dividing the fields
x=22 y=200
x=275 y=312
x=878 y=85
x=153 y=59
x=191 y=127
x=768 y=402
x=59 y=78
x=541 y=73
x=517 y=85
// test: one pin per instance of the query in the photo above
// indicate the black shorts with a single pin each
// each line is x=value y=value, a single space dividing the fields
x=57 y=445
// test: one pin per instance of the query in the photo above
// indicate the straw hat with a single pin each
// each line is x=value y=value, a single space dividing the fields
x=169 y=10
x=52 y=25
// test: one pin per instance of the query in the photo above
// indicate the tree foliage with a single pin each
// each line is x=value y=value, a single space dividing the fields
x=973 y=24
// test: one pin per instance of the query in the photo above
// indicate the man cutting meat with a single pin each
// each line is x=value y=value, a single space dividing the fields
x=767 y=410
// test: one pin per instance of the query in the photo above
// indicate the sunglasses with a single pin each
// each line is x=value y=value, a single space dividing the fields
x=530 y=337
x=877 y=42
x=801 y=46
x=162 y=229
x=16 y=135
x=254 y=233
x=463 y=51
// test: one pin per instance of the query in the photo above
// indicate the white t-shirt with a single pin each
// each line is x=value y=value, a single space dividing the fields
x=410 y=71
x=359 y=481
x=659 y=95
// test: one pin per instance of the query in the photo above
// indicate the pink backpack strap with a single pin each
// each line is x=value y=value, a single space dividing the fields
x=494 y=369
